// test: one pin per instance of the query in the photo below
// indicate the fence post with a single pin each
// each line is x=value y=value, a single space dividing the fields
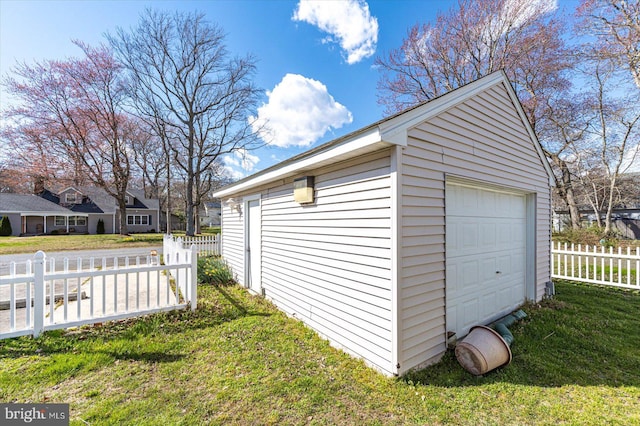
x=39 y=293
x=194 y=277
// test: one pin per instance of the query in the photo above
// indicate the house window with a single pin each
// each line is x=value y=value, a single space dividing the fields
x=127 y=200
x=61 y=221
x=70 y=197
x=77 y=221
x=136 y=219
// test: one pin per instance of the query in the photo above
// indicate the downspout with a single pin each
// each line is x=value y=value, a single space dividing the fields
x=501 y=326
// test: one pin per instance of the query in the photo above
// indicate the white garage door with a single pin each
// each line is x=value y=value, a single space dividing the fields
x=486 y=249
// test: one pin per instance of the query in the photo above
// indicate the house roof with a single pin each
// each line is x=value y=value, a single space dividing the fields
x=387 y=132
x=102 y=202
x=149 y=203
x=27 y=203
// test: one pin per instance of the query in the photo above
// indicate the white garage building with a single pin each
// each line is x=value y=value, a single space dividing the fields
x=425 y=223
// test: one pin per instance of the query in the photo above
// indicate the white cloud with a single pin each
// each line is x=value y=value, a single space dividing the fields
x=517 y=13
x=234 y=173
x=247 y=161
x=299 y=112
x=631 y=160
x=348 y=23
x=240 y=163
x=525 y=10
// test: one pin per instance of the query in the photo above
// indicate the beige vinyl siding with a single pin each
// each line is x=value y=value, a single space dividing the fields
x=233 y=240
x=481 y=139
x=329 y=263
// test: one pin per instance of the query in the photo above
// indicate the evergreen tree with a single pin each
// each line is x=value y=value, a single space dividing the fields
x=5 y=227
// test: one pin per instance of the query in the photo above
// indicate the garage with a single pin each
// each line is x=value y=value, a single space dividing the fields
x=486 y=255
x=386 y=239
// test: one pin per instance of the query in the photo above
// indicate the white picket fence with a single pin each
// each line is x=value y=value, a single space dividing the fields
x=205 y=244
x=596 y=265
x=44 y=299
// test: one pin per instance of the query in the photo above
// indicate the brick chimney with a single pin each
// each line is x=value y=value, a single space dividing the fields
x=38 y=185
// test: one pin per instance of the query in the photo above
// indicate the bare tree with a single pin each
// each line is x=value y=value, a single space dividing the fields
x=149 y=159
x=183 y=80
x=612 y=139
x=616 y=27
x=78 y=104
x=475 y=38
x=564 y=129
x=32 y=156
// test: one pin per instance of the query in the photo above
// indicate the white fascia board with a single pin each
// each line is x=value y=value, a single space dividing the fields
x=395 y=130
x=41 y=213
x=363 y=140
x=71 y=188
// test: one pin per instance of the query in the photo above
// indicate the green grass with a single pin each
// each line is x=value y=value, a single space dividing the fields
x=237 y=360
x=13 y=245
x=626 y=276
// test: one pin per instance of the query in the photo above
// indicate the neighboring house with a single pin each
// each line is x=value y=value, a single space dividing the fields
x=33 y=215
x=390 y=239
x=210 y=214
x=78 y=210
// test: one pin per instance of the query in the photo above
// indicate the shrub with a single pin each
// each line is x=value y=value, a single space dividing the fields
x=214 y=270
x=592 y=236
x=100 y=227
x=5 y=227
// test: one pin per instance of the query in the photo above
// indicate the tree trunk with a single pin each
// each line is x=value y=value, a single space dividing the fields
x=607 y=220
x=566 y=192
x=574 y=213
x=123 y=216
x=168 y=206
x=190 y=231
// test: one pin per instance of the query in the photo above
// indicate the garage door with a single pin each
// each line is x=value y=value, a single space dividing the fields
x=486 y=249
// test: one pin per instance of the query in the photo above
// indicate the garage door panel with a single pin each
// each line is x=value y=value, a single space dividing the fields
x=485 y=243
x=488 y=269
x=488 y=234
x=469 y=236
x=470 y=271
x=488 y=301
x=470 y=313
x=503 y=265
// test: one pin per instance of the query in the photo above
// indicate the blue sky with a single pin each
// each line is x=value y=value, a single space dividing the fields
x=315 y=61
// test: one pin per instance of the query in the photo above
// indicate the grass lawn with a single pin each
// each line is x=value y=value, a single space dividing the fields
x=13 y=245
x=237 y=360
